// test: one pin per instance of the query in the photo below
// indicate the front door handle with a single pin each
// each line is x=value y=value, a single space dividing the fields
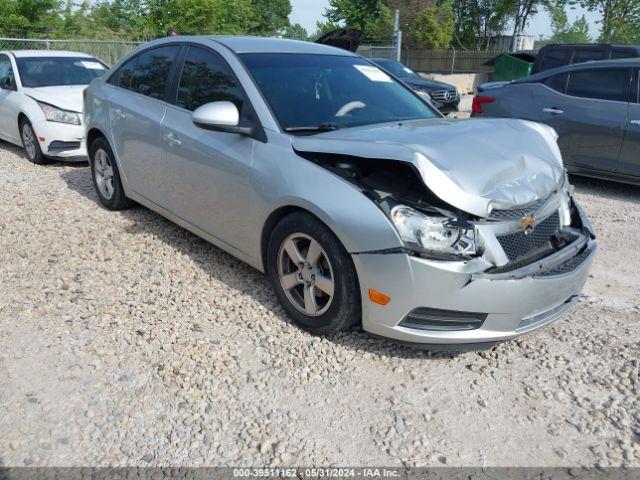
x=553 y=111
x=119 y=113
x=171 y=139
x=635 y=122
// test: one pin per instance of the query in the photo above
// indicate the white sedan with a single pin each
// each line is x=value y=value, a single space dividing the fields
x=41 y=102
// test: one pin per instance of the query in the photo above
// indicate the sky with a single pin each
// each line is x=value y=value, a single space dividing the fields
x=307 y=12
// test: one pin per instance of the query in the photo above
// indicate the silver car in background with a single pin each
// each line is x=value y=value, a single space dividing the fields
x=357 y=198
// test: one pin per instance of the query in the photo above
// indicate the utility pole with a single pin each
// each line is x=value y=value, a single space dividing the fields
x=397 y=35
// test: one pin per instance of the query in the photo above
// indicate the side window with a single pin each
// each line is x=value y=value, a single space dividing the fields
x=589 y=54
x=554 y=58
x=617 y=53
x=600 y=84
x=151 y=74
x=6 y=71
x=207 y=78
x=557 y=82
x=122 y=78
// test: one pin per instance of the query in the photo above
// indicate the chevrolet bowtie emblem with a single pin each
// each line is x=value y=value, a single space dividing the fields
x=526 y=223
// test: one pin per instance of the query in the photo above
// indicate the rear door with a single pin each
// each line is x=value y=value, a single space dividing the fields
x=136 y=108
x=630 y=156
x=589 y=113
x=208 y=172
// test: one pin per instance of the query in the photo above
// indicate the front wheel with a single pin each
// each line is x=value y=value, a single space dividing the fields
x=313 y=275
x=30 y=144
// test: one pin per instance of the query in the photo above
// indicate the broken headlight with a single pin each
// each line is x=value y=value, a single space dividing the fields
x=437 y=237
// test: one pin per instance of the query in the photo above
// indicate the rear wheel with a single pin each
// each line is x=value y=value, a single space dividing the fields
x=106 y=177
x=31 y=144
x=313 y=275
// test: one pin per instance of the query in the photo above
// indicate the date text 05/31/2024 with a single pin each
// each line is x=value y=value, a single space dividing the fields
x=316 y=472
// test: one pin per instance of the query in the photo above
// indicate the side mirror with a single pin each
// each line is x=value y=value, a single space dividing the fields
x=220 y=116
x=6 y=83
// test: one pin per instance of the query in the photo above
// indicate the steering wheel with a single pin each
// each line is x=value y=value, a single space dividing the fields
x=348 y=107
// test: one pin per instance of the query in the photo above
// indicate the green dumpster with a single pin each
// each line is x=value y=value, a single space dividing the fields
x=510 y=66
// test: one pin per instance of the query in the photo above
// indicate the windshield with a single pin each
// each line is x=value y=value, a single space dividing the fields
x=56 y=71
x=397 y=69
x=334 y=91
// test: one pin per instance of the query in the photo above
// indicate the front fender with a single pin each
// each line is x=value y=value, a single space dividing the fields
x=281 y=178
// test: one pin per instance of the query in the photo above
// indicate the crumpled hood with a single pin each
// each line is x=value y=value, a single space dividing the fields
x=476 y=165
x=67 y=97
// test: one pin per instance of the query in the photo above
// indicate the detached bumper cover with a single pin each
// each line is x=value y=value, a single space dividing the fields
x=514 y=302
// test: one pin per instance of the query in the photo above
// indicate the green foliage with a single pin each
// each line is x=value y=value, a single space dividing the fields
x=477 y=21
x=434 y=27
x=373 y=17
x=323 y=28
x=143 y=18
x=269 y=16
x=295 y=32
x=619 y=19
x=565 y=32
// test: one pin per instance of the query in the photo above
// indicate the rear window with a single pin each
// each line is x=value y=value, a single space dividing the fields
x=600 y=84
x=554 y=58
x=617 y=53
x=57 y=71
x=589 y=54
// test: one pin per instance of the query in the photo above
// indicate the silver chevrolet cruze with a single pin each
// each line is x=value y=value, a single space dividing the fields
x=357 y=198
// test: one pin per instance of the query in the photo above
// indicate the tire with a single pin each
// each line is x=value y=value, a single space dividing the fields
x=334 y=313
x=30 y=143
x=106 y=177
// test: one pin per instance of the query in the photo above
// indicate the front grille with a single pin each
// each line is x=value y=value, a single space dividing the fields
x=423 y=318
x=441 y=95
x=568 y=266
x=518 y=213
x=519 y=244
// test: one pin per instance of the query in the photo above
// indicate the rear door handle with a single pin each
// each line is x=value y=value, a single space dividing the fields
x=635 y=122
x=171 y=139
x=553 y=111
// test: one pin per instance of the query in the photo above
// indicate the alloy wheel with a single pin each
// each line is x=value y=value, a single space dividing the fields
x=29 y=141
x=103 y=173
x=306 y=274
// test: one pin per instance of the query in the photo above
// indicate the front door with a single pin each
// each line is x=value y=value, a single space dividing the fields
x=590 y=117
x=208 y=172
x=8 y=107
x=630 y=156
x=137 y=104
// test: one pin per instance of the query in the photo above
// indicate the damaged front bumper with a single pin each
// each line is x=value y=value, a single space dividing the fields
x=462 y=305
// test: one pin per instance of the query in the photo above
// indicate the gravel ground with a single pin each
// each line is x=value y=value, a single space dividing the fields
x=125 y=340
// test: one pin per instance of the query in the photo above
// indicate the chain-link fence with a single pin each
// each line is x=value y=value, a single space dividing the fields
x=453 y=61
x=109 y=51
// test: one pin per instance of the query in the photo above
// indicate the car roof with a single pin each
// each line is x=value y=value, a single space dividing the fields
x=246 y=44
x=589 y=45
x=621 y=62
x=46 y=53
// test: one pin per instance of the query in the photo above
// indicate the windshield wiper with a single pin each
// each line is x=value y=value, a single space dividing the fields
x=323 y=127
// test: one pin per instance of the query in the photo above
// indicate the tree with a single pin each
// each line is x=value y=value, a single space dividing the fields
x=373 y=17
x=563 y=31
x=269 y=16
x=434 y=27
x=295 y=32
x=478 y=21
x=620 y=19
x=521 y=12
